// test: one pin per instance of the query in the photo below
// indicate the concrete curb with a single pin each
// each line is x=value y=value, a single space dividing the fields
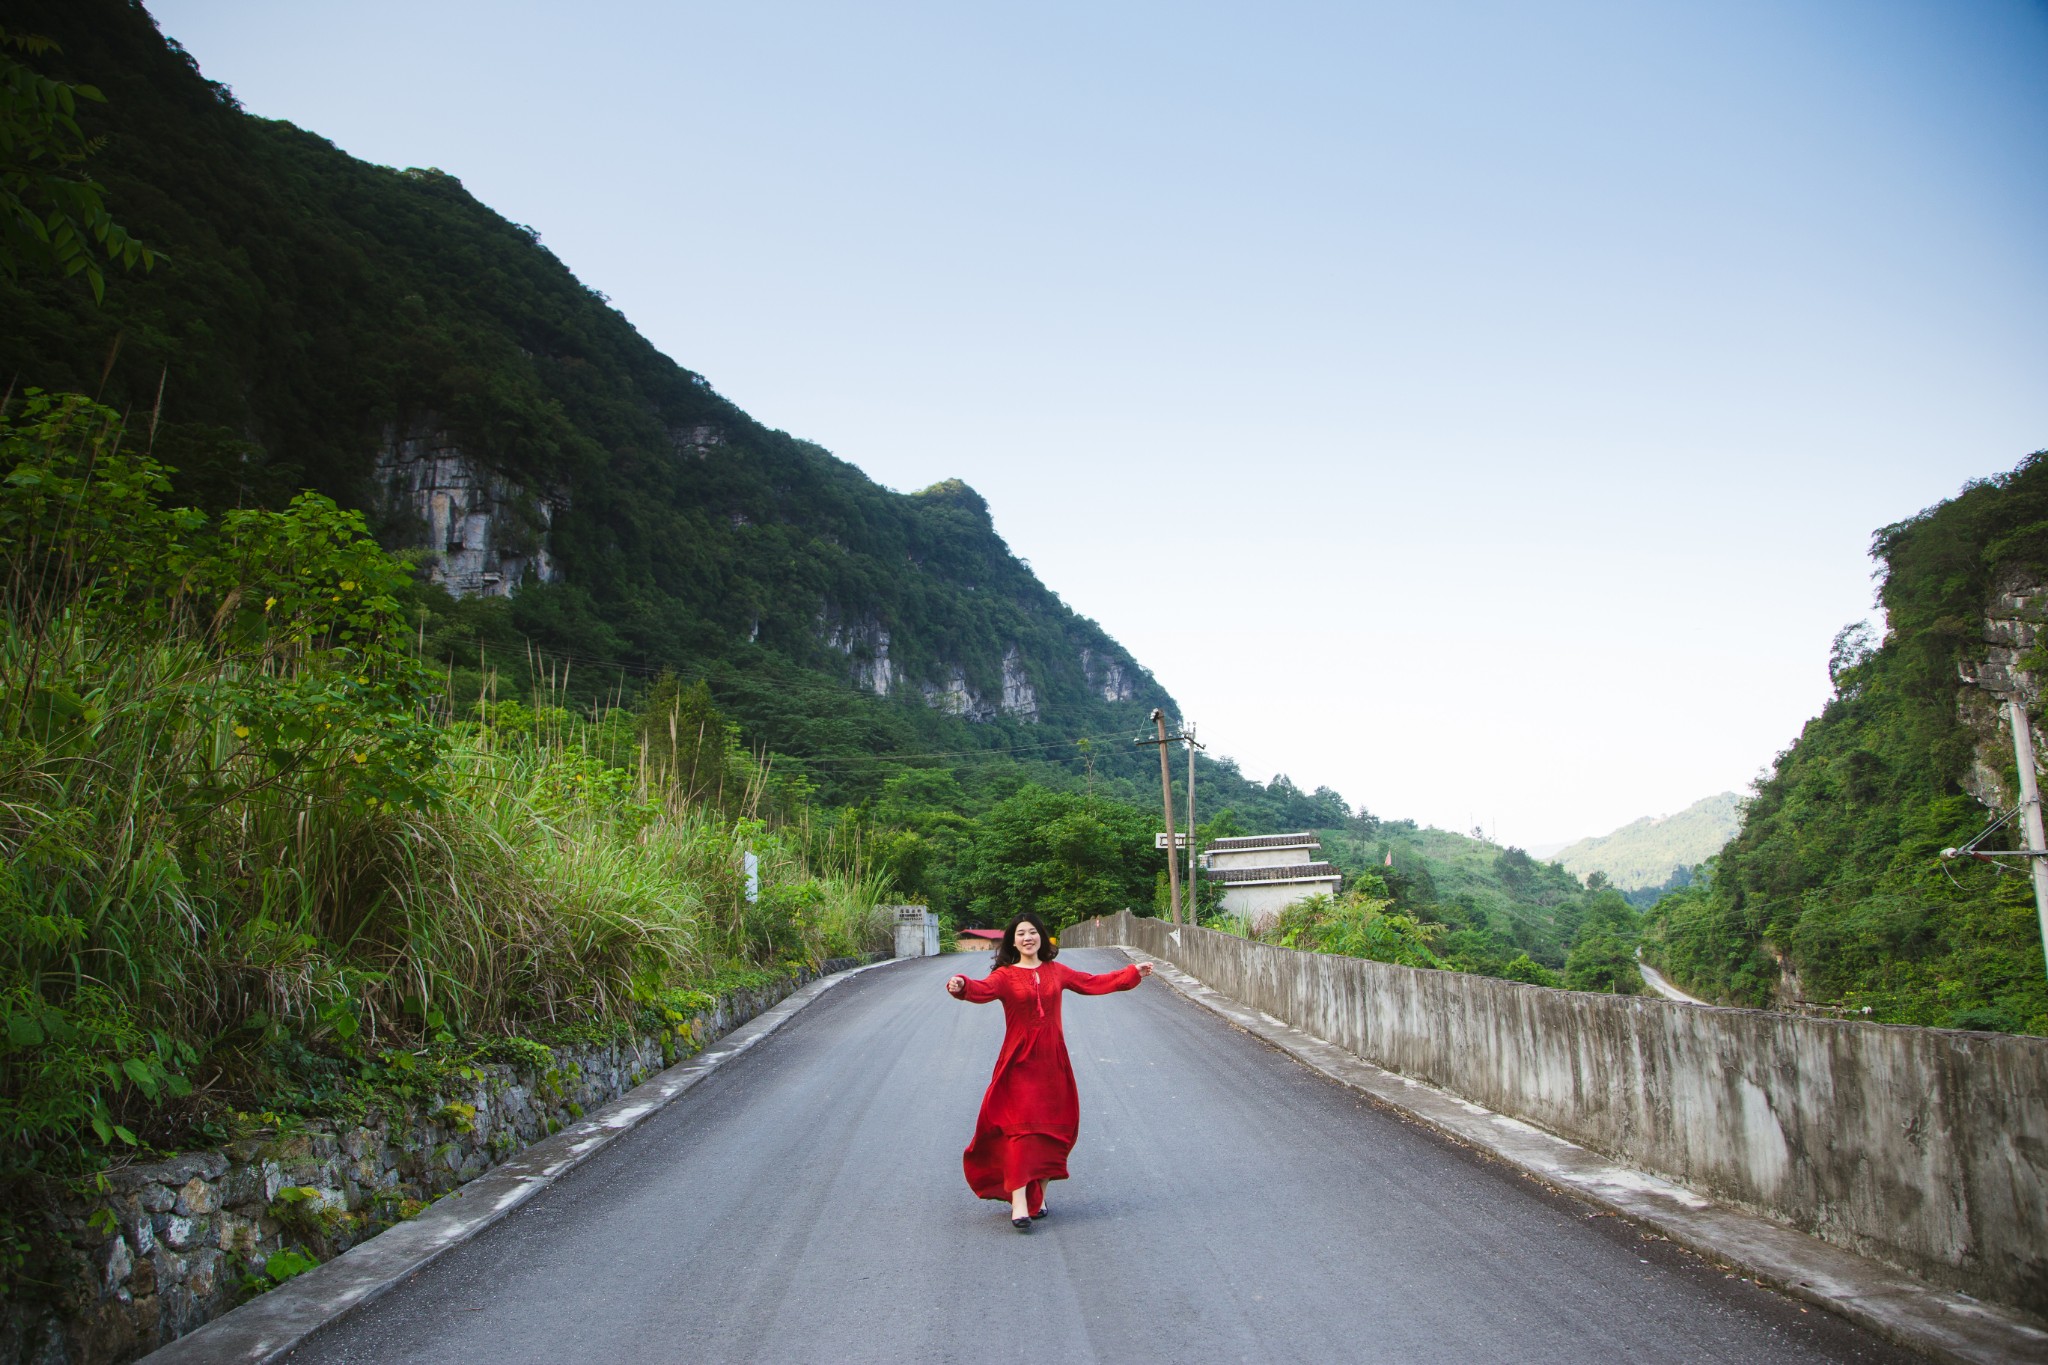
x=1943 y=1324
x=266 y=1327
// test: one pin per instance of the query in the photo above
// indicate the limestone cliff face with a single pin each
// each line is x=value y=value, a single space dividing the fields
x=1107 y=676
x=1020 y=698
x=865 y=642
x=954 y=695
x=2013 y=622
x=486 y=533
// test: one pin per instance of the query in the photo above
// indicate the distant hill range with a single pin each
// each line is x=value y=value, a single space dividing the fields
x=1644 y=853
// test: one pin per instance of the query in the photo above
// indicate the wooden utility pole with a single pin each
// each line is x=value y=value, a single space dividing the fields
x=1187 y=732
x=2030 y=809
x=1158 y=718
x=1166 y=799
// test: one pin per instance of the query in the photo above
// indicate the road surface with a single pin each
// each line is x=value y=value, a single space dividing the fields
x=1661 y=984
x=805 y=1203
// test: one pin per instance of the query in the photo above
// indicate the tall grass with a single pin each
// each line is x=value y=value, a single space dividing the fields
x=234 y=811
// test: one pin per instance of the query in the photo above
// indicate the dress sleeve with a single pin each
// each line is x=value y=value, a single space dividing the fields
x=979 y=990
x=1085 y=983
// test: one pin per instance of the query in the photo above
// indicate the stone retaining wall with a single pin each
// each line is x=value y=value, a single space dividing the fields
x=192 y=1236
x=1924 y=1148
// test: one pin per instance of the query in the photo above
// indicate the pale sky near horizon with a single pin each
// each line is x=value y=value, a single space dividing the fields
x=1482 y=409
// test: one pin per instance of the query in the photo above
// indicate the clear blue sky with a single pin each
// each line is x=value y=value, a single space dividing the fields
x=1481 y=408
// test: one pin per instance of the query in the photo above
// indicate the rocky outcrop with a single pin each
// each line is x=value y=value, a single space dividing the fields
x=1107 y=676
x=866 y=642
x=697 y=441
x=956 y=697
x=485 y=532
x=1020 y=698
x=2013 y=622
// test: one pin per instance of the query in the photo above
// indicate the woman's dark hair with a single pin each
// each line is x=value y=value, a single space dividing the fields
x=1007 y=955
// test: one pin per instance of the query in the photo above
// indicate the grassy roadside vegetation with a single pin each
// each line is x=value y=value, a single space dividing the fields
x=258 y=862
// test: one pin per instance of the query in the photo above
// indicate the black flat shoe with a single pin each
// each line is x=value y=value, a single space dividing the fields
x=1021 y=1224
x=1040 y=1214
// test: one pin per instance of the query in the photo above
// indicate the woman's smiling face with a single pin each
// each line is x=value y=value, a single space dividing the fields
x=1027 y=939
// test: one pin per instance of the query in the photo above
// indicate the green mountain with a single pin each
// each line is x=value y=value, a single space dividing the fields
x=1645 y=853
x=1834 y=893
x=381 y=336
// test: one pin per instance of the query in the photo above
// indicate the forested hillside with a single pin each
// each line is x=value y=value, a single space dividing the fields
x=379 y=336
x=1834 y=892
x=1645 y=854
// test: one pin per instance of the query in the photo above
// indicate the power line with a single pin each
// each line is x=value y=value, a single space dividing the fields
x=958 y=753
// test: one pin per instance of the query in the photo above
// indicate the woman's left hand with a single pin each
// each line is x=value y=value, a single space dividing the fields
x=1144 y=970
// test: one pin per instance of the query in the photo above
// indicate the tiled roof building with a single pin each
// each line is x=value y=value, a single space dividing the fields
x=1262 y=874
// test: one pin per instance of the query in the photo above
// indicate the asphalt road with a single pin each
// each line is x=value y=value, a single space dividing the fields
x=805 y=1203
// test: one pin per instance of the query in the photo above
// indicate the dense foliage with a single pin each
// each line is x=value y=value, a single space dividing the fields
x=53 y=216
x=1834 y=890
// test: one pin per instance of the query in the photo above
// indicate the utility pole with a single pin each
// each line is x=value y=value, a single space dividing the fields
x=1158 y=718
x=1194 y=887
x=2035 y=844
x=2030 y=809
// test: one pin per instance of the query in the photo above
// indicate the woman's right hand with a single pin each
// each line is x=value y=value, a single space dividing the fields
x=955 y=984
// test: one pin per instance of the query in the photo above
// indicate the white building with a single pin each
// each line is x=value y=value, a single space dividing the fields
x=917 y=932
x=1262 y=874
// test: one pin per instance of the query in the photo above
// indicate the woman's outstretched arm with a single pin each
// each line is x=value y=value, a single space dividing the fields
x=1123 y=979
x=975 y=990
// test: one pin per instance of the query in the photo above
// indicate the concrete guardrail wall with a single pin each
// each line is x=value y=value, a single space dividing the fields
x=1926 y=1148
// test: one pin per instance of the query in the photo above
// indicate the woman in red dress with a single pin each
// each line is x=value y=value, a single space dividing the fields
x=1031 y=1111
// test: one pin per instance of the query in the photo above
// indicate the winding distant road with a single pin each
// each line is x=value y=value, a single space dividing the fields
x=805 y=1203
x=1661 y=984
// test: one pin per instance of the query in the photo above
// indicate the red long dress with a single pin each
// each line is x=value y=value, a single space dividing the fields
x=1031 y=1112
